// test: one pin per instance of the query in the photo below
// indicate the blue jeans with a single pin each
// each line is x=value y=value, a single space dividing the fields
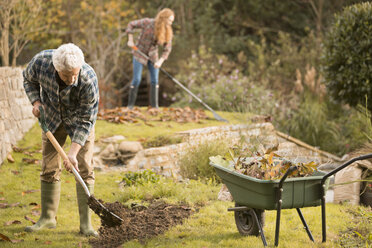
x=137 y=73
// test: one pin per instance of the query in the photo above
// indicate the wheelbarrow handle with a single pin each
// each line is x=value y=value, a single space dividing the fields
x=60 y=150
x=286 y=174
x=363 y=157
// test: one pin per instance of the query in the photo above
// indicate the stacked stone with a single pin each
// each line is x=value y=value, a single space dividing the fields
x=15 y=110
x=164 y=160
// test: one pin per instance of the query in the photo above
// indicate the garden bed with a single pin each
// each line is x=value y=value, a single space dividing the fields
x=140 y=222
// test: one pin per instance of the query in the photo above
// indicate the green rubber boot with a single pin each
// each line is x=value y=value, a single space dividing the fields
x=84 y=213
x=50 y=193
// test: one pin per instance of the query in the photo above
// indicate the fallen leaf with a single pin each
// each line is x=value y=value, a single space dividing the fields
x=48 y=242
x=14 y=241
x=30 y=161
x=12 y=222
x=7 y=205
x=2 y=198
x=30 y=191
x=36 y=207
x=17 y=149
x=10 y=158
x=21 y=234
x=35 y=213
x=29 y=219
x=15 y=172
x=33 y=204
x=28 y=153
x=6 y=238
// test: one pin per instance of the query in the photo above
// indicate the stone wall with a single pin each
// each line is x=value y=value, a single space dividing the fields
x=165 y=160
x=15 y=110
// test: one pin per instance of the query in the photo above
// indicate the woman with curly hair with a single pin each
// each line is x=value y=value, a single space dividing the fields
x=154 y=32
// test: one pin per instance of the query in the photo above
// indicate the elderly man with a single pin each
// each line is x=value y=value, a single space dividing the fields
x=67 y=88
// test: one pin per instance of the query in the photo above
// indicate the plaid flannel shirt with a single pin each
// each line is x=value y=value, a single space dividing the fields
x=147 y=42
x=76 y=106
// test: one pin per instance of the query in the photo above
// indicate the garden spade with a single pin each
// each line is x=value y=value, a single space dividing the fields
x=216 y=116
x=108 y=218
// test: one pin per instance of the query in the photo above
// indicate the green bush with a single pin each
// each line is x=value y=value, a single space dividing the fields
x=347 y=60
x=221 y=84
x=332 y=127
x=194 y=163
x=162 y=140
x=140 y=178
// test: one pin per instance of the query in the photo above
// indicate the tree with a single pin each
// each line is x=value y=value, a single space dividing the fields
x=100 y=31
x=347 y=62
x=20 y=21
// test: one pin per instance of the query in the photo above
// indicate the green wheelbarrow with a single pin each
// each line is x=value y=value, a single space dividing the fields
x=253 y=196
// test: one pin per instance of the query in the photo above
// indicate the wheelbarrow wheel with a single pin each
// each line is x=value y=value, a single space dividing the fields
x=246 y=223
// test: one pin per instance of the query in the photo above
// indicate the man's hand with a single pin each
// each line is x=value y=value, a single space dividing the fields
x=72 y=161
x=159 y=63
x=75 y=148
x=35 y=109
x=130 y=41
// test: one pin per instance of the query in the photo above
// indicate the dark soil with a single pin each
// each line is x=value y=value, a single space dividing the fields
x=139 y=222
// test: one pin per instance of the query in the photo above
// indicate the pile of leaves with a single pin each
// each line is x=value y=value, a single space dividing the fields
x=126 y=115
x=266 y=166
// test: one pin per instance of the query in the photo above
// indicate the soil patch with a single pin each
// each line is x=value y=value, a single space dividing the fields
x=140 y=222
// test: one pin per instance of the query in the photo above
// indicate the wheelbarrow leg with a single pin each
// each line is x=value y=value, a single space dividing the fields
x=278 y=212
x=305 y=224
x=259 y=226
x=324 y=230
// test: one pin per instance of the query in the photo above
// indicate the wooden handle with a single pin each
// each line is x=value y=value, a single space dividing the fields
x=62 y=153
x=57 y=146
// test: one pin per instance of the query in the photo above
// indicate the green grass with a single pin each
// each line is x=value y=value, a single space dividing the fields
x=140 y=130
x=211 y=226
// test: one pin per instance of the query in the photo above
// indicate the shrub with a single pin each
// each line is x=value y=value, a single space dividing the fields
x=221 y=84
x=347 y=55
x=162 y=140
x=140 y=178
x=194 y=163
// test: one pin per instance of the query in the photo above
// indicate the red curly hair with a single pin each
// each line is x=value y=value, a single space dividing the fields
x=163 y=32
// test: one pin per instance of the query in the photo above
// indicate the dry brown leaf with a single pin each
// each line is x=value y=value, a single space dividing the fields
x=30 y=219
x=5 y=238
x=35 y=213
x=10 y=158
x=30 y=191
x=12 y=222
x=15 y=172
x=30 y=160
x=20 y=234
x=7 y=205
x=17 y=149
x=14 y=241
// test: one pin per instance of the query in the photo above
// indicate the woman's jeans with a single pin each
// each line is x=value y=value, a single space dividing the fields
x=137 y=73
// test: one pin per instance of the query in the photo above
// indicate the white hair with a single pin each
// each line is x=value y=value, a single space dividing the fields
x=68 y=57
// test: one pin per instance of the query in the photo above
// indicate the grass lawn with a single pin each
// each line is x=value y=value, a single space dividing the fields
x=211 y=226
x=142 y=130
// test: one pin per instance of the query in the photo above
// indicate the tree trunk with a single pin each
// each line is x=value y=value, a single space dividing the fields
x=4 y=49
x=15 y=53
